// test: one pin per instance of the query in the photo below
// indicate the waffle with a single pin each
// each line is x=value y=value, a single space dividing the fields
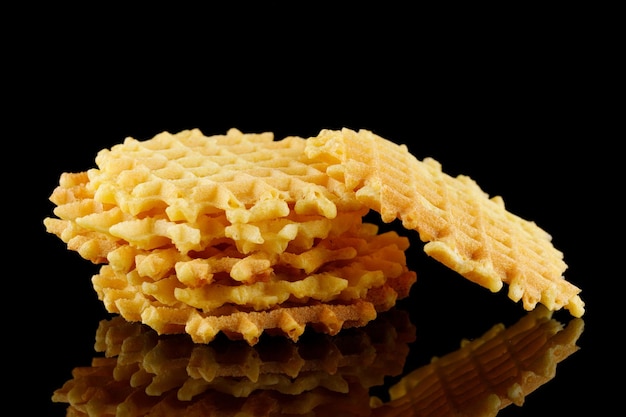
x=345 y=294
x=143 y=373
x=244 y=235
x=182 y=179
x=94 y=229
x=234 y=233
x=463 y=228
x=488 y=373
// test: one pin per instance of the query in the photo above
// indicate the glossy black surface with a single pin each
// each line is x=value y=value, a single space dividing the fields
x=516 y=113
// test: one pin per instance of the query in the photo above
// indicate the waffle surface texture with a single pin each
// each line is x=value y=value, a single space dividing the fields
x=243 y=234
x=463 y=228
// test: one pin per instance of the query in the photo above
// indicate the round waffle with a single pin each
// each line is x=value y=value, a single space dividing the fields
x=463 y=228
x=236 y=233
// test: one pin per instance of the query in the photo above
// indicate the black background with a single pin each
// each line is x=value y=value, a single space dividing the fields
x=512 y=98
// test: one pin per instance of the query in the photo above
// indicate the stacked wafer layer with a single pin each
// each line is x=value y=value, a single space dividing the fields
x=143 y=373
x=234 y=233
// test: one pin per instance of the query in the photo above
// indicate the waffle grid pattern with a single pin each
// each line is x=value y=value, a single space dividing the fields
x=463 y=228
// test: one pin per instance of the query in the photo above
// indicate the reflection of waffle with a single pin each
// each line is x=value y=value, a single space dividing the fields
x=98 y=394
x=488 y=373
x=467 y=231
x=144 y=371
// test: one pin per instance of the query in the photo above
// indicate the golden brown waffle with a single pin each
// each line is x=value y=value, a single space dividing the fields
x=464 y=229
x=488 y=373
x=235 y=233
x=341 y=294
x=340 y=268
x=143 y=372
x=175 y=189
x=74 y=200
x=242 y=234
x=94 y=229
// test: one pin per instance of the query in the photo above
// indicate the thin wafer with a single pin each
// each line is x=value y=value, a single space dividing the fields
x=94 y=229
x=464 y=229
x=179 y=180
